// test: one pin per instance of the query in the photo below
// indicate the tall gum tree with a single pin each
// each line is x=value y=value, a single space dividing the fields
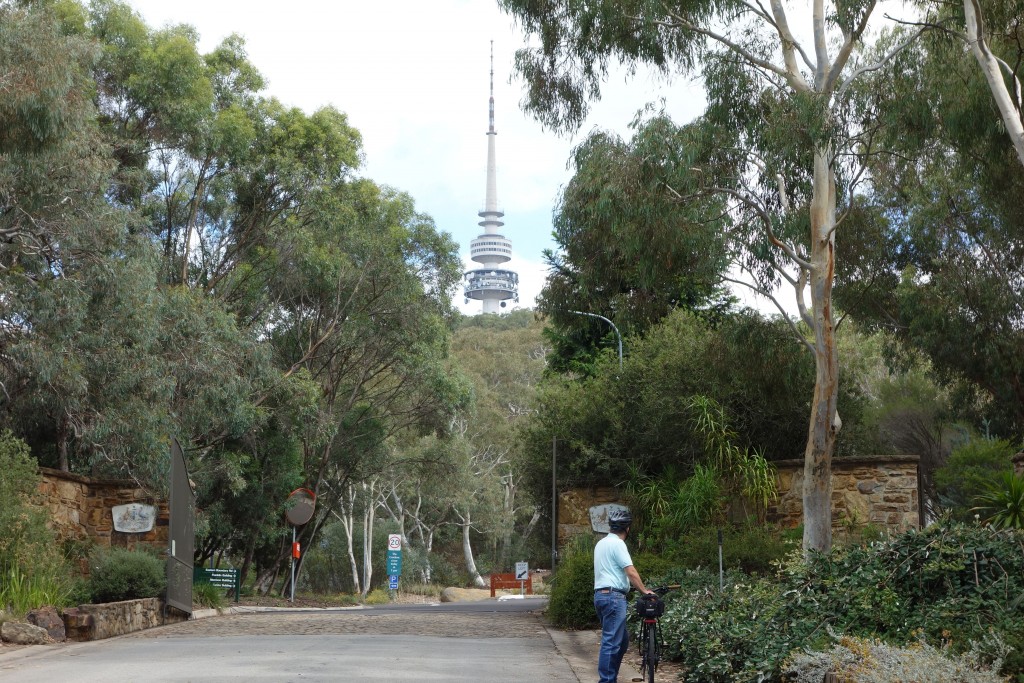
x=1002 y=78
x=737 y=43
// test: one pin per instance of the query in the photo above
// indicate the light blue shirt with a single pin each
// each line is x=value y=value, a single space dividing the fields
x=611 y=557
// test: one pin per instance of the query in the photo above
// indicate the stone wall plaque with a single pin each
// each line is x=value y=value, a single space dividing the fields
x=599 y=516
x=134 y=518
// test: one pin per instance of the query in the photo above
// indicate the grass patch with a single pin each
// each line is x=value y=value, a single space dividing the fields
x=205 y=594
x=20 y=593
x=430 y=590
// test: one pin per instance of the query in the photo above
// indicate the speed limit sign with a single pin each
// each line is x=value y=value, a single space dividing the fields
x=394 y=542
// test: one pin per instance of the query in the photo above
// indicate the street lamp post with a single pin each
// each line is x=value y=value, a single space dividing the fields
x=554 y=453
x=617 y=335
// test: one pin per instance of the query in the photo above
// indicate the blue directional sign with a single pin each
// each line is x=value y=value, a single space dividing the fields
x=393 y=582
x=394 y=562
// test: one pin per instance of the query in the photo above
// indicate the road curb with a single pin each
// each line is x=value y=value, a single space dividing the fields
x=580 y=650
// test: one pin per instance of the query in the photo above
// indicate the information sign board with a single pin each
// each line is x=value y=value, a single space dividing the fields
x=522 y=571
x=393 y=582
x=222 y=578
x=394 y=564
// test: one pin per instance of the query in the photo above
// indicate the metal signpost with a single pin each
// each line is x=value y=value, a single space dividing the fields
x=394 y=560
x=300 y=510
x=522 y=573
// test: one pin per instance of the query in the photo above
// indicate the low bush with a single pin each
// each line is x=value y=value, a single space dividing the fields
x=378 y=596
x=969 y=472
x=748 y=547
x=427 y=589
x=860 y=660
x=20 y=593
x=205 y=594
x=950 y=584
x=571 y=601
x=118 y=574
x=33 y=572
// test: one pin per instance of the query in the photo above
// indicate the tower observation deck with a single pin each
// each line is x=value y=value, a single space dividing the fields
x=490 y=283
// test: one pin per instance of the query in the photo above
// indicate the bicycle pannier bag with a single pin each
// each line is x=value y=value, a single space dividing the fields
x=650 y=606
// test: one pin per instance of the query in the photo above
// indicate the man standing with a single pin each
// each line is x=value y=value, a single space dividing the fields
x=613 y=572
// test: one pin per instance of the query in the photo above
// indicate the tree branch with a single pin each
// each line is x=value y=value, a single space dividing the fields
x=880 y=63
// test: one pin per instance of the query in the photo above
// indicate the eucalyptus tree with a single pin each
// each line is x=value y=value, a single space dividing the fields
x=988 y=37
x=626 y=248
x=933 y=253
x=794 y=160
x=77 y=303
x=505 y=365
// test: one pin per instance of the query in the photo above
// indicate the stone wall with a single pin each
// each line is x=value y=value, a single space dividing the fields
x=881 y=490
x=106 y=620
x=574 y=510
x=877 y=490
x=80 y=509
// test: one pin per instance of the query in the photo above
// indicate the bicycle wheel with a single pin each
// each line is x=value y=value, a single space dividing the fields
x=642 y=642
x=651 y=652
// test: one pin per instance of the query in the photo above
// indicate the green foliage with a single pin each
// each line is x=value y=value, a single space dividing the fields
x=205 y=594
x=20 y=593
x=33 y=571
x=571 y=601
x=1003 y=504
x=378 y=596
x=750 y=548
x=627 y=248
x=117 y=574
x=950 y=584
x=934 y=254
x=970 y=472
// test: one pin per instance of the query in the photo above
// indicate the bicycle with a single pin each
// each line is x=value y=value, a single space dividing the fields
x=649 y=607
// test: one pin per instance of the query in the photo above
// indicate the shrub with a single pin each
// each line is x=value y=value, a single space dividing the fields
x=571 y=601
x=32 y=569
x=1003 y=504
x=969 y=472
x=20 y=593
x=205 y=594
x=950 y=583
x=119 y=574
x=378 y=596
x=431 y=590
x=860 y=660
x=751 y=548
x=735 y=634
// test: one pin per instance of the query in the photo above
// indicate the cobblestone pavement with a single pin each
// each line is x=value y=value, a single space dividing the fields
x=359 y=622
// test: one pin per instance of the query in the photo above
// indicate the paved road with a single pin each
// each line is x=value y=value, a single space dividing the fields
x=482 y=642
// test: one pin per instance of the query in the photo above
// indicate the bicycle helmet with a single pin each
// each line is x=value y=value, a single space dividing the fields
x=619 y=520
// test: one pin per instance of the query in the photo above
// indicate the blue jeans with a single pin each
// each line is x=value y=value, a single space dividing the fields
x=611 y=610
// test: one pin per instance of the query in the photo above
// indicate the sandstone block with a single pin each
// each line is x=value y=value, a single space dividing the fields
x=868 y=486
x=23 y=634
x=47 y=619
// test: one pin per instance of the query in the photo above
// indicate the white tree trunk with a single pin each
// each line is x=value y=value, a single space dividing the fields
x=348 y=520
x=1009 y=105
x=824 y=422
x=369 y=517
x=467 y=552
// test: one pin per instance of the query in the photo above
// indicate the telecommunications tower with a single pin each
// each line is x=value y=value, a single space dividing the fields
x=490 y=283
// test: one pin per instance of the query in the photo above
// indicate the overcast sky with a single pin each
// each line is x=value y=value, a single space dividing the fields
x=413 y=78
